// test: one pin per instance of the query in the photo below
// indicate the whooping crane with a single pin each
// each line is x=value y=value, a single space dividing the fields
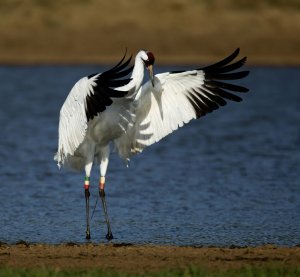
x=112 y=108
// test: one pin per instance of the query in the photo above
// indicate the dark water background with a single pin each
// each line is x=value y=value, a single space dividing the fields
x=230 y=178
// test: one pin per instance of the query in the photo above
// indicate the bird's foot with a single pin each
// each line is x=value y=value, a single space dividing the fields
x=109 y=236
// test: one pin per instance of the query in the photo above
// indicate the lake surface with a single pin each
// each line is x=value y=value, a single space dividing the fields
x=229 y=178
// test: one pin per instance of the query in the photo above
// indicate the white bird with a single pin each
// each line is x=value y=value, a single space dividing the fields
x=108 y=108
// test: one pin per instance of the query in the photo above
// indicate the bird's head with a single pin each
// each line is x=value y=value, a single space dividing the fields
x=148 y=59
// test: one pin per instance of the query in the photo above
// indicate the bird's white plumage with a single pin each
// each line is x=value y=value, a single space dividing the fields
x=147 y=113
x=160 y=110
x=73 y=121
x=79 y=137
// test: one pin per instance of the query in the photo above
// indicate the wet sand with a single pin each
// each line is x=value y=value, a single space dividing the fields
x=144 y=258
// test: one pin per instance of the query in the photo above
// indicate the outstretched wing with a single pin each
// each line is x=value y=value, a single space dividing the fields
x=89 y=97
x=177 y=98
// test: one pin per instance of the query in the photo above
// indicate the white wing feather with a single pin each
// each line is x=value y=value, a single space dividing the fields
x=73 y=120
x=160 y=110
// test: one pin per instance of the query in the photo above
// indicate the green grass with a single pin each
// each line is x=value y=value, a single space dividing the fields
x=190 y=272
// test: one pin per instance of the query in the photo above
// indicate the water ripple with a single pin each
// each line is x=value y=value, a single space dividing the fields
x=231 y=178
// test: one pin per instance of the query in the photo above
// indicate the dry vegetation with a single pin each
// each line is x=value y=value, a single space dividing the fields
x=177 y=31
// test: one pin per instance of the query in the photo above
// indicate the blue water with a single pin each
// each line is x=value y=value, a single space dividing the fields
x=230 y=178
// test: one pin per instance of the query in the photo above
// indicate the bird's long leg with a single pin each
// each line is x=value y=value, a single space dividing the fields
x=109 y=235
x=87 y=206
x=103 y=168
x=88 y=168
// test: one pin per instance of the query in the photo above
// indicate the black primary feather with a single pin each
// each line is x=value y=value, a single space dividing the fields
x=214 y=91
x=105 y=88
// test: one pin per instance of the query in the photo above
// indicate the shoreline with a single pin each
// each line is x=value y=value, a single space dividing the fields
x=182 y=62
x=165 y=61
x=144 y=258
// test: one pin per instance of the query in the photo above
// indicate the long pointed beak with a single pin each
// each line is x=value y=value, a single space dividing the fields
x=150 y=69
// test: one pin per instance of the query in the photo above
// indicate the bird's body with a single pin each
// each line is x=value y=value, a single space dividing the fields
x=107 y=108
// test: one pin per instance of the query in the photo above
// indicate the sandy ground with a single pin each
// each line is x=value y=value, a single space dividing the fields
x=177 y=31
x=138 y=258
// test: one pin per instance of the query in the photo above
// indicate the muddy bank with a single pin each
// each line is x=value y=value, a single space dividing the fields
x=141 y=258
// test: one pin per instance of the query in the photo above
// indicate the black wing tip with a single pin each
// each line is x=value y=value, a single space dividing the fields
x=105 y=88
x=215 y=92
x=246 y=72
x=226 y=69
x=226 y=62
x=120 y=65
x=237 y=51
x=234 y=54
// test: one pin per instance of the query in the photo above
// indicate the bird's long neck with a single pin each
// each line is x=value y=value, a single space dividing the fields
x=137 y=77
x=138 y=72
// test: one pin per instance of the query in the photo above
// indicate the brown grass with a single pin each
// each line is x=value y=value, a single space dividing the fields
x=177 y=31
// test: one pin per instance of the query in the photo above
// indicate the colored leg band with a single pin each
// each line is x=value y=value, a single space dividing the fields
x=86 y=182
x=102 y=182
